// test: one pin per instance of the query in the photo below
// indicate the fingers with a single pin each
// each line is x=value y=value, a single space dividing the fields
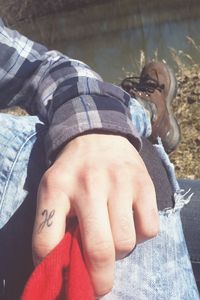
x=133 y=212
x=97 y=242
x=122 y=223
x=146 y=217
x=110 y=193
x=50 y=221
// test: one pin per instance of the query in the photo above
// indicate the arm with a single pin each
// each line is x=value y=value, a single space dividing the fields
x=94 y=176
x=65 y=93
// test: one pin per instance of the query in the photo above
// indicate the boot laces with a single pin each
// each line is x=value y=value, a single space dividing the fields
x=145 y=84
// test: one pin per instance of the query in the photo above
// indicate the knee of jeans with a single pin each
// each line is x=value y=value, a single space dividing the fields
x=18 y=139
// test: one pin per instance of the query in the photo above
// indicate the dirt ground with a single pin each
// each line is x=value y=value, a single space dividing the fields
x=187 y=109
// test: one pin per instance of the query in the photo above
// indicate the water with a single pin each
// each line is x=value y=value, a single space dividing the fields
x=116 y=53
x=110 y=36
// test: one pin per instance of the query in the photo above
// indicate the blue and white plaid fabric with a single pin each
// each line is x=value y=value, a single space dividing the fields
x=65 y=93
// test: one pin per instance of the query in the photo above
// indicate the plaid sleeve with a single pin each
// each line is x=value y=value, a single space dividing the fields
x=70 y=97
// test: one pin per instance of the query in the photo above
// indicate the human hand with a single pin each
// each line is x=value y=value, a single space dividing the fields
x=103 y=181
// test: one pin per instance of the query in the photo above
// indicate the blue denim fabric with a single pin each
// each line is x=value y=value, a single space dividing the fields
x=157 y=269
x=140 y=118
x=17 y=137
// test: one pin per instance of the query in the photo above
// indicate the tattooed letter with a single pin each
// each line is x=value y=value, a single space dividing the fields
x=47 y=219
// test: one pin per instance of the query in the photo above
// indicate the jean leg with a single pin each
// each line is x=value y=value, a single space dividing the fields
x=22 y=163
x=157 y=269
x=140 y=118
x=191 y=224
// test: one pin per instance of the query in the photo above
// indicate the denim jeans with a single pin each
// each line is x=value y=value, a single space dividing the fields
x=159 y=268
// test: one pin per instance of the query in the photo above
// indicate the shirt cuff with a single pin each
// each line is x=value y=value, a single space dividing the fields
x=89 y=114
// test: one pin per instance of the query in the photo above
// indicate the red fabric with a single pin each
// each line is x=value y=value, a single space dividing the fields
x=62 y=274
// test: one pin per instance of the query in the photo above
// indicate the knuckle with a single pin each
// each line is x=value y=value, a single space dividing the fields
x=101 y=253
x=53 y=183
x=105 y=290
x=89 y=178
x=120 y=171
x=85 y=172
x=49 y=179
x=151 y=232
x=154 y=228
x=40 y=250
x=125 y=239
x=125 y=246
x=149 y=228
x=89 y=169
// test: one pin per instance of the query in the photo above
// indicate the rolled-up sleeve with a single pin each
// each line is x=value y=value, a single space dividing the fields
x=67 y=95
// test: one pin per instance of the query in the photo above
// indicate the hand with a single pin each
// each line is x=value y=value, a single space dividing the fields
x=103 y=181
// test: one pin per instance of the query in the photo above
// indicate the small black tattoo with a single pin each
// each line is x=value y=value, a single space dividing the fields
x=47 y=219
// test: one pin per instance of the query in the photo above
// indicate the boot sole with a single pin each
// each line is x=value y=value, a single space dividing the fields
x=173 y=141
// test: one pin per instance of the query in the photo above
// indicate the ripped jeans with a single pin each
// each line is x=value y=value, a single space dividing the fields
x=158 y=269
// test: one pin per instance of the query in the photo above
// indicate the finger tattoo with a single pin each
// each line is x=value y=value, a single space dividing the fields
x=47 y=219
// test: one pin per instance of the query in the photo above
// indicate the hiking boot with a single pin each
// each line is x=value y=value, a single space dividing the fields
x=155 y=89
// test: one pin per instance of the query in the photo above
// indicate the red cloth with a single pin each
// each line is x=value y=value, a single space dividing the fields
x=62 y=275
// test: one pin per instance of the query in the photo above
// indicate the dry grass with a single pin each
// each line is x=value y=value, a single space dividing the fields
x=187 y=110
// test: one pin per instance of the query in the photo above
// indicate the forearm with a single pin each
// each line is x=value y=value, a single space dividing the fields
x=68 y=96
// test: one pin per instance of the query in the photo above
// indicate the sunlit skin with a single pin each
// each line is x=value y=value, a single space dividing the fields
x=101 y=179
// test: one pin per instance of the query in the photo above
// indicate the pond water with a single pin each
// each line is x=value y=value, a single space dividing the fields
x=116 y=53
x=110 y=36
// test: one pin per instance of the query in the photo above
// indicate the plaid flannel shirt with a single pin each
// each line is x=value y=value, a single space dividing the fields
x=68 y=96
